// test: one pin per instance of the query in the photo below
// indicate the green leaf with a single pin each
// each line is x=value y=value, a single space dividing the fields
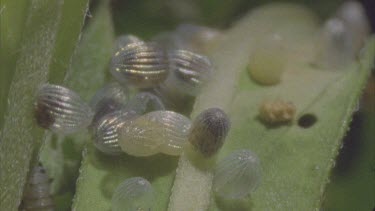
x=13 y=14
x=21 y=138
x=86 y=75
x=296 y=161
x=354 y=172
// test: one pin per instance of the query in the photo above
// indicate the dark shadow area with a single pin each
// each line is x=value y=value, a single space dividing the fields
x=307 y=120
x=350 y=146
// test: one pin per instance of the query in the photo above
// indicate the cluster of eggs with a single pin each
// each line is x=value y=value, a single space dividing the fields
x=142 y=125
x=235 y=177
x=139 y=126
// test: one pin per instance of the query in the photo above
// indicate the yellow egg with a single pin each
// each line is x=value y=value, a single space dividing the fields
x=268 y=60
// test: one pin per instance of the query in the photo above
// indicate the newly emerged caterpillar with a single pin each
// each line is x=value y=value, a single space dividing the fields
x=237 y=175
x=37 y=195
x=105 y=131
x=143 y=65
x=61 y=110
x=154 y=132
x=276 y=111
x=208 y=131
x=134 y=194
x=110 y=97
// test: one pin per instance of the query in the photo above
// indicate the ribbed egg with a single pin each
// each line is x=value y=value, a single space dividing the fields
x=143 y=65
x=144 y=102
x=237 y=175
x=134 y=194
x=61 y=110
x=188 y=72
x=208 y=131
x=105 y=131
x=124 y=40
x=110 y=97
x=154 y=132
x=36 y=194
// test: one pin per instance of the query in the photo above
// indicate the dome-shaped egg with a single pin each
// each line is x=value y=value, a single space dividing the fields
x=237 y=175
x=134 y=194
x=61 y=110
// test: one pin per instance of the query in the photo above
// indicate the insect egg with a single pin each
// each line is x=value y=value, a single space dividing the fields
x=154 y=132
x=209 y=130
x=107 y=99
x=189 y=72
x=105 y=132
x=134 y=194
x=124 y=40
x=170 y=40
x=61 y=110
x=267 y=62
x=336 y=47
x=276 y=111
x=143 y=65
x=197 y=38
x=37 y=195
x=237 y=175
x=354 y=16
x=145 y=101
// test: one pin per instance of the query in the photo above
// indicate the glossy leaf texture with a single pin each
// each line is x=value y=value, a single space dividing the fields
x=38 y=50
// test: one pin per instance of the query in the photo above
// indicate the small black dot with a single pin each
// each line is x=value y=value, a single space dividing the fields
x=307 y=120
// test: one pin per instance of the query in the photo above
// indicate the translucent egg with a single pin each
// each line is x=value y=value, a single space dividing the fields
x=134 y=194
x=197 y=38
x=105 y=132
x=144 y=102
x=61 y=110
x=124 y=40
x=36 y=194
x=209 y=130
x=237 y=175
x=170 y=40
x=154 y=132
x=354 y=17
x=143 y=65
x=188 y=37
x=189 y=72
x=110 y=97
x=173 y=100
x=276 y=111
x=268 y=61
x=336 y=48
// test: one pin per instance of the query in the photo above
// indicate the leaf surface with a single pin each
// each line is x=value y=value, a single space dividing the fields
x=21 y=138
